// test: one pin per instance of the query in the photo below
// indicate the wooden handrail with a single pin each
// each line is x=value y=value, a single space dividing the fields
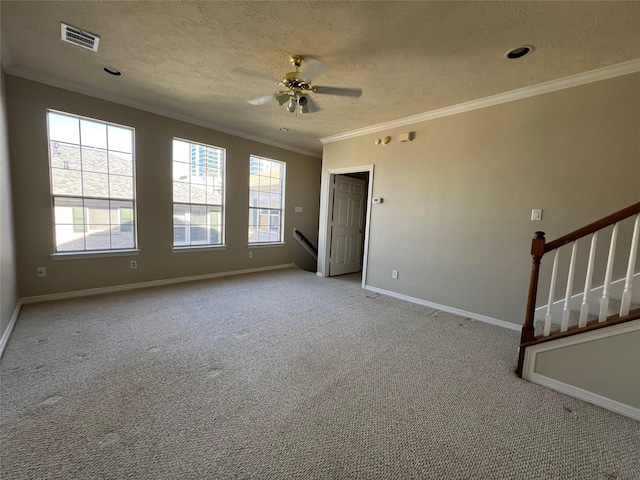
x=538 y=248
x=593 y=227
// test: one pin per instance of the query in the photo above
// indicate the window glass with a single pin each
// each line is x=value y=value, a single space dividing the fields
x=266 y=200
x=92 y=185
x=198 y=194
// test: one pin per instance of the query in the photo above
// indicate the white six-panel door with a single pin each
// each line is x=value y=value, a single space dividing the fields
x=347 y=225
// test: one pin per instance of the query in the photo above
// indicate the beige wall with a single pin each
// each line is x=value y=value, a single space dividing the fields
x=27 y=104
x=8 y=290
x=455 y=221
x=606 y=366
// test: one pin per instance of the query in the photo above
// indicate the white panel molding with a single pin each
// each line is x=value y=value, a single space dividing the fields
x=530 y=357
x=595 y=296
x=127 y=102
x=152 y=283
x=9 y=329
x=587 y=396
x=446 y=308
x=611 y=71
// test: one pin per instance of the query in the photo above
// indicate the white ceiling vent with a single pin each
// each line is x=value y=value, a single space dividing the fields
x=79 y=37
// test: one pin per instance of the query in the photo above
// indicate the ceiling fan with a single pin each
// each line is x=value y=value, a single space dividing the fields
x=297 y=86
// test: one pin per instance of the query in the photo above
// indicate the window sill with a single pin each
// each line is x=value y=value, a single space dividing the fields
x=94 y=254
x=197 y=248
x=266 y=245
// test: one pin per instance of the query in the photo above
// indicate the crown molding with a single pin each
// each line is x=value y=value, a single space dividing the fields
x=617 y=70
x=127 y=102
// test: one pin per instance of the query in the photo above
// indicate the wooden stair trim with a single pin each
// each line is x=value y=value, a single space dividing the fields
x=590 y=327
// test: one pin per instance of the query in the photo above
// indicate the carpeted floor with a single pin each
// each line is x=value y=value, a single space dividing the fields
x=284 y=375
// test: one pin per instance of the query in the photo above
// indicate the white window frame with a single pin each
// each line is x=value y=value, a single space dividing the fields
x=209 y=207
x=261 y=211
x=86 y=226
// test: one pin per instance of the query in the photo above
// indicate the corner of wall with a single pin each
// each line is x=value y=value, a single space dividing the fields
x=9 y=304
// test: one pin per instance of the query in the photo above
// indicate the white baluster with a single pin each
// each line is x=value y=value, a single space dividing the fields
x=626 y=295
x=564 y=325
x=552 y=293
x=604 y=302
x=584 y=309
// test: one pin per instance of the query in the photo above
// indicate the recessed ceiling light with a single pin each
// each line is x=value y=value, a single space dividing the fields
x=518 y=52
x=112 y=71
x=284 y=129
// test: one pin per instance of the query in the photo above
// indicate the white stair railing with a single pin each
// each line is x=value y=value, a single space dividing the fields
x=567 y=298
x=540 y=247
x=587 y=305
x=588 y=278
x=626 y=294
x=606 y=288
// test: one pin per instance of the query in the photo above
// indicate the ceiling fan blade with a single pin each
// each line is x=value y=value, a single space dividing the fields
x=262 y=100
x=254 y=75
x=343 y=92
x=311 y=68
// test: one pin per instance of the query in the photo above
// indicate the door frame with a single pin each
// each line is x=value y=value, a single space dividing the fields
x=326 y=204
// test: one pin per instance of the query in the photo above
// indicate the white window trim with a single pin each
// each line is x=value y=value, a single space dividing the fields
x=266 y=245
x=94 y=254
x=197 y=248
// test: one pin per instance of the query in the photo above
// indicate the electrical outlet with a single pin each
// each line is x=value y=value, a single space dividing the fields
x=394 y=273
x=133 y=264
x=250 y=254
x=42 y=272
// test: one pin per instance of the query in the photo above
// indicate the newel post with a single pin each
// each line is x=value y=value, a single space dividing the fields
x=537 y=251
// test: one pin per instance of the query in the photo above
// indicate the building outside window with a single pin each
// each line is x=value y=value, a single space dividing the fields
x=198 y=194
x=266 y=200
x=92 y=184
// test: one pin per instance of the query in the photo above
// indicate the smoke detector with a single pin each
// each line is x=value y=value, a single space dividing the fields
x=79 y=37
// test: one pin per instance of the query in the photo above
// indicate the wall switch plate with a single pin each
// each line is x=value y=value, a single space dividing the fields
x=133 y=264
x=298 y=209
x=378 y=200
x=394 y=273
x=536 y=214
x=41 y=272
x=250 y=254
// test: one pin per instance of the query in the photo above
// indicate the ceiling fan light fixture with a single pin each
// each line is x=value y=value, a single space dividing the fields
x=292 y=104
x=303 y=101
x=282 y=98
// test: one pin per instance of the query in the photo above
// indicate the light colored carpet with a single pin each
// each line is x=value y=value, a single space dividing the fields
x=286 y=375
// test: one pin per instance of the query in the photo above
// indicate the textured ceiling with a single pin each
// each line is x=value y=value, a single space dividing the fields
x=203 y=60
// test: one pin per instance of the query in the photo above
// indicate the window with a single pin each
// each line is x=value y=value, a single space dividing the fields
x=266 y=200
x=92 y=184
x=198 y=194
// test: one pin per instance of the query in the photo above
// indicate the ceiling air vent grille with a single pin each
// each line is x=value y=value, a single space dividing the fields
x=79 y=37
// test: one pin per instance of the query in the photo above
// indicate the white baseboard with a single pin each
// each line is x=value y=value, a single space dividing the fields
x=445 y=308
x=593 y=398
x=152 y=283
x=617 y=287
x=9 y=329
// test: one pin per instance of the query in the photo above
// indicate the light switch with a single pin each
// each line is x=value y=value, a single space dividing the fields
x=536 y=214
x=298 y=209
